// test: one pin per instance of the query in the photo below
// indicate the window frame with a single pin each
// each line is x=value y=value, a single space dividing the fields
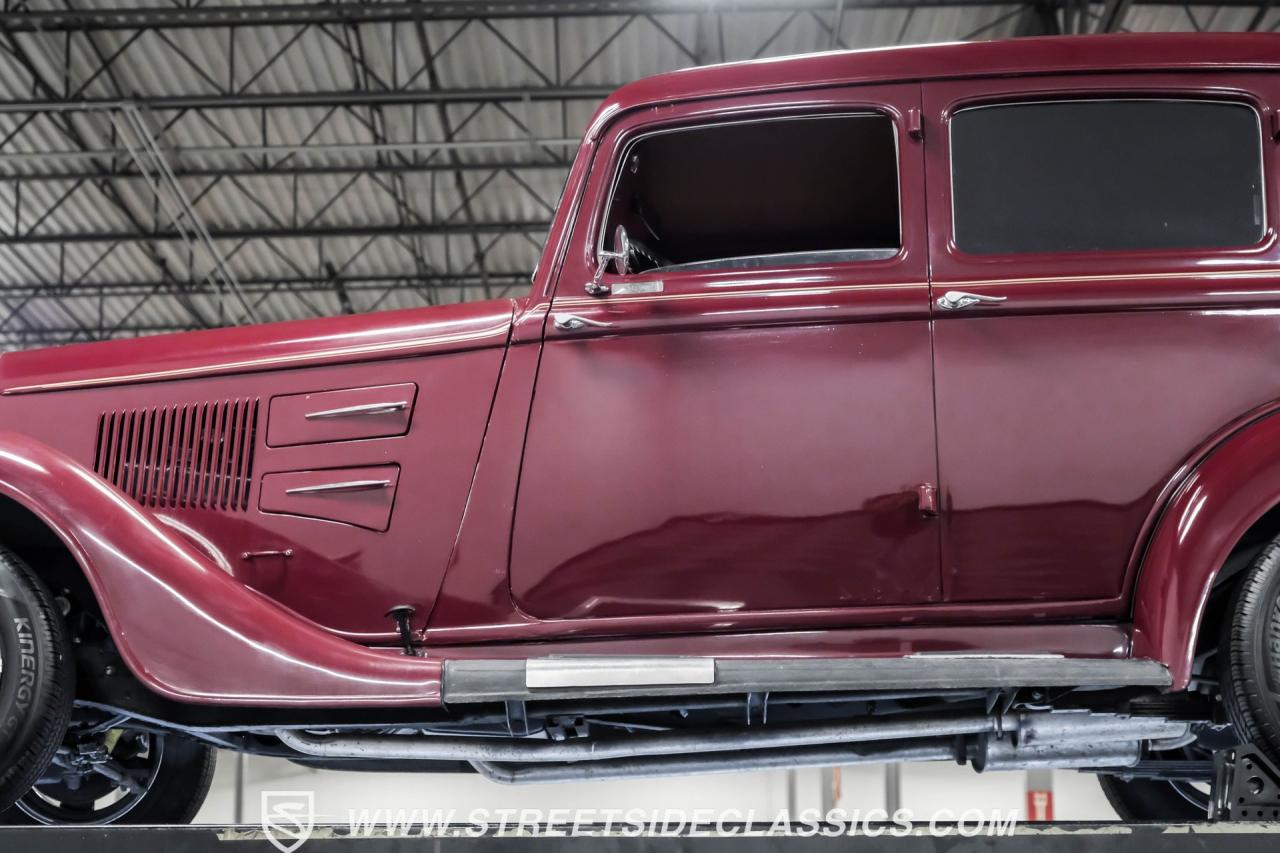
x=1266 y=235
x=630 y=141
x=951 y=266
x=892 y=100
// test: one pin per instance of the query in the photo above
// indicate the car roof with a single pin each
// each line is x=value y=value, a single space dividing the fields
x=1009 y=57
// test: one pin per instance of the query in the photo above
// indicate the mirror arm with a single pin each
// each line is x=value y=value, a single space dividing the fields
x=595 y=287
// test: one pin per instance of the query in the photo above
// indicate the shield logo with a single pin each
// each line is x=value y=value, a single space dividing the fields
x=288 y=817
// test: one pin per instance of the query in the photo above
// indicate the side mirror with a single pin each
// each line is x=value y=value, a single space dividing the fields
x=619 y=255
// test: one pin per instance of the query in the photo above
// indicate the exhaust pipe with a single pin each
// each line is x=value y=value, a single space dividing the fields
x=439 y=748
x=1124 y=754
x=1076 y=739
x=729 y=762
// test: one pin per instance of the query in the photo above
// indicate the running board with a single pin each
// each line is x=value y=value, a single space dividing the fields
x=607 y=677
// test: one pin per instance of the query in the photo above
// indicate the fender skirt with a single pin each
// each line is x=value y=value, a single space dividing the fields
x=185 y=628
x=1213 y=508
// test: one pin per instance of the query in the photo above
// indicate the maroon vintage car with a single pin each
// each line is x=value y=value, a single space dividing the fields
x=895 y=405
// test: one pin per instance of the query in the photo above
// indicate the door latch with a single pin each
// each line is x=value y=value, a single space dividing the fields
x=927 y=499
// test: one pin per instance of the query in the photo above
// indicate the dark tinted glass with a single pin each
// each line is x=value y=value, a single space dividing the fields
x=1099 y=175
x=709 y=195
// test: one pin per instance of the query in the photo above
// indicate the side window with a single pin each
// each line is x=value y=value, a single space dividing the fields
x=762 y=193
x=1078 y=176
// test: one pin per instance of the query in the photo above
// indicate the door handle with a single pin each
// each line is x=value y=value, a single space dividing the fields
x=572 y=322
x=954 y=300
x=348 y=486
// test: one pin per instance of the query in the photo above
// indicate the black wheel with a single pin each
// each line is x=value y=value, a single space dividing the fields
x=36 y=678
x=1251 y=651
x=1155 y=800
x=105 y=775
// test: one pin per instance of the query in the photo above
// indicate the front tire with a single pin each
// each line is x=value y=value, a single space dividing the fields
x=36 y=678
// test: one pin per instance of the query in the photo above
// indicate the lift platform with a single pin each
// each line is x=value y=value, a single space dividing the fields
x=943 y=838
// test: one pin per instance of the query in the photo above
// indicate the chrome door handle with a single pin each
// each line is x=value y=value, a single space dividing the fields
x=572 y=322
x=362 y=409
x=348 y=486
x=954 y=300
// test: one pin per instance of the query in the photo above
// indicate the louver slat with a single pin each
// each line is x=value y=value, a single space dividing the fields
x=188 y=455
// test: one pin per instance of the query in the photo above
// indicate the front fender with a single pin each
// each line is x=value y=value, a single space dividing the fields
x=185 y=628
x=1229 y=490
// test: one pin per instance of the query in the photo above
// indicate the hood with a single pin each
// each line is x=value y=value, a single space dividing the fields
x=242 y=349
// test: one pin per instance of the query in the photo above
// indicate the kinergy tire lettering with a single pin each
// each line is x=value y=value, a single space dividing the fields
x=26 y=676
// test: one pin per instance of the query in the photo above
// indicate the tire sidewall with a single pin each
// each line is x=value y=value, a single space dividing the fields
x=1255 y=664
x=1264 y=667
x=29 y=658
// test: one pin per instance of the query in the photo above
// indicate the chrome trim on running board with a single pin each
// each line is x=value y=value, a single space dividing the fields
x=610 y=671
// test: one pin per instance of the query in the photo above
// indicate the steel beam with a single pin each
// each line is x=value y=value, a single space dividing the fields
x=295 y=100
x=313 y=232
x=287 y=171
x=299 y=14
x=353 y=283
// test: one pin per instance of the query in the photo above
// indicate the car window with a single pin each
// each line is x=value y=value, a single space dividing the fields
x=740 y=195
x=1079 y=176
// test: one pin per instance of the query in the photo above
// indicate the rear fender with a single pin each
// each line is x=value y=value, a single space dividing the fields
x=186 y=629
x=1230 y=489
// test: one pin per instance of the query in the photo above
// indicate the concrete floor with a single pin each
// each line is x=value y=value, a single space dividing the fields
x=925 y=789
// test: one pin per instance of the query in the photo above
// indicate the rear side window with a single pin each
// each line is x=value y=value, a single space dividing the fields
x=820 y=189
x=1106 y=175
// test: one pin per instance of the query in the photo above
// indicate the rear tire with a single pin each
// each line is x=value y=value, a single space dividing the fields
x=36 y=678
x=1251 y=655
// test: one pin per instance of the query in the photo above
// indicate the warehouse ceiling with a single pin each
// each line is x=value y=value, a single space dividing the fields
x=180 y=166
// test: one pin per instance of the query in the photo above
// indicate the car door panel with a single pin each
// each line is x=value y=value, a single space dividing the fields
x=1067 y=409
x=723 y=441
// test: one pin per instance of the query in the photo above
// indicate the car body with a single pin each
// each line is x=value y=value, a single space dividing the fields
x=839 y=464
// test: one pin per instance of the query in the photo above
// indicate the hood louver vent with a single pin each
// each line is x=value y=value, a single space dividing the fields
x=195 y=455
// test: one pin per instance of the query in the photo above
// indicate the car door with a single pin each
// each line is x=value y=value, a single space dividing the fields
x=1112 y=235
x=748 y=428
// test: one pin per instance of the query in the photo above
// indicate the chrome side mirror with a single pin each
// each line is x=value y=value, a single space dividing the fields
x=619 y=255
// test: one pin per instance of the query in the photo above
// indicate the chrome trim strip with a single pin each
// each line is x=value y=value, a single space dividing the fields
x=617 y=671
x=1207 y=275
x=985 y=656
x=362 y=409
x=347 y=486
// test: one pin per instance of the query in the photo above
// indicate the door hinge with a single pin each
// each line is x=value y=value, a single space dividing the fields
x=927 y=499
